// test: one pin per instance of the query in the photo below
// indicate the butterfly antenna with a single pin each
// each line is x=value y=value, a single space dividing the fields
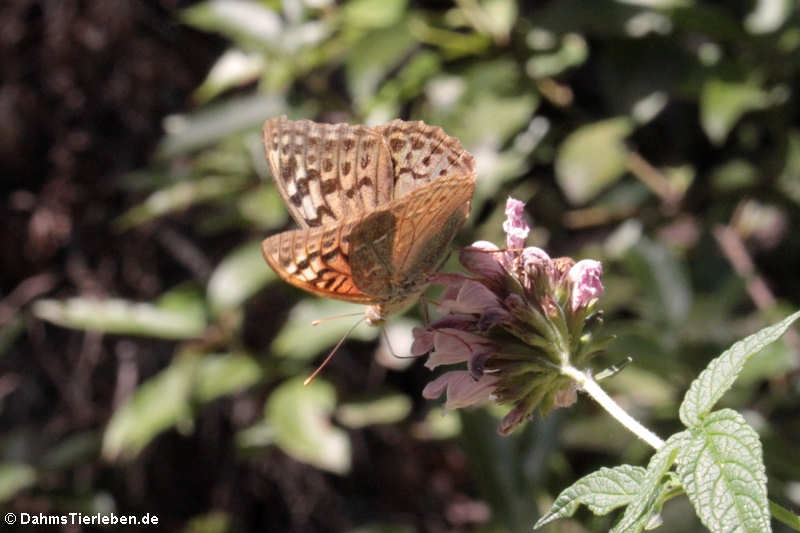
x=388 y=344
x=330 y=355
x=321 y=320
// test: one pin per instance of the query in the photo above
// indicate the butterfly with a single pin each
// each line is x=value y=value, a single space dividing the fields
x=377 y=208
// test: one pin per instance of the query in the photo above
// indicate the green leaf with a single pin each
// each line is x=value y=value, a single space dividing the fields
x=157 y=405
x=15 y=477
x=720 y=374
x=300 y=416
x=178 y=196
x=601 y=491
x=240 y=275
x=218 y=375
x=123 y=317
x=72 y=451
x=263 y=206
x=722 y=471
x=386 y=409
x=298 y=339
x=723 y=103
x=186 y=133
x=592 y=157
x=373 y=13
x=648 y=501
x=211 y=522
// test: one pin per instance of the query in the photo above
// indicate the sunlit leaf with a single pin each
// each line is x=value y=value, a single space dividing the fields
x=592 y=157
x=218 y=375
x=157 y=405
x=232 y=69
x=298 y=339
x=236 y=19
x=15 y=477
x=722 y=471
x=240 y=275
x=723 y=103
x=386 y=409
x=123 y=317
x=300 y=416
x=263 y=206
x=601 y=491
x=373 y=13
x=720 y=374
x=186 y=133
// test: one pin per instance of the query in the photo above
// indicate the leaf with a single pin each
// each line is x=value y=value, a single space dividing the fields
x=720 y=374
x=650 y=497
x=263 y=206
x=186 y=133
x=601 y=491
x=386 y=409
x=218 y=375
x=15 y=477
x=723 y=103
x=123 y=317
x=241 y=274
x=722 y=471
x=298 y=339
x=300 y=416
x=157 y=405
x=373 y=13
x=592 y=157
x=176 y=197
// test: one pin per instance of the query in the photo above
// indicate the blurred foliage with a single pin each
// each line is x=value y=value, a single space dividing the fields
x=634 y=129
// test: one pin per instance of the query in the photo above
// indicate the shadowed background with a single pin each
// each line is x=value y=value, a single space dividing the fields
x=151 y=362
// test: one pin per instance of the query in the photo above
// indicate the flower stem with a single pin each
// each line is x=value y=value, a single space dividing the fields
x=594 y=390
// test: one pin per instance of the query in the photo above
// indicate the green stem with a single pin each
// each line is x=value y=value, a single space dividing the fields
x=784 y=515
x=594 y=390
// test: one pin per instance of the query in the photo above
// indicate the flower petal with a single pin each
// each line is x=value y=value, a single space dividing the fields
x=585 y=278
x=462 y=390
x=515 y=226
x=455 y=346
x=479 y=260
x=423 y=341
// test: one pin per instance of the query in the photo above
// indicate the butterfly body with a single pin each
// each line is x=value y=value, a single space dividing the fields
x=378 y=208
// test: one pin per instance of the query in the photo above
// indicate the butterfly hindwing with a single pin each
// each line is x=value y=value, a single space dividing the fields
x=315 y=260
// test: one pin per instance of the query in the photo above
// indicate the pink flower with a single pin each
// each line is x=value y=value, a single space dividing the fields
x=452 y=346
x=479 y=260
x=461 y=388
x=472 y=297
x=585 y=279
x=515 y=226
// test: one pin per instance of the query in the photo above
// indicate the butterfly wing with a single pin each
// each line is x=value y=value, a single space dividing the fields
x=421 y=153
x=394 y=249
x=327 y=172
x=316 y=260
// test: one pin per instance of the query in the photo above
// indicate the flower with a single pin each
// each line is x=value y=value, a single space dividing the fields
x=517 y=321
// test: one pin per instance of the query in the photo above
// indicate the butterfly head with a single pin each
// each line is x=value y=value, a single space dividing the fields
x=375 y=315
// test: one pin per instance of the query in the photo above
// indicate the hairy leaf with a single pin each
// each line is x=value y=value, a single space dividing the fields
x=720 y=374
x=722 y=471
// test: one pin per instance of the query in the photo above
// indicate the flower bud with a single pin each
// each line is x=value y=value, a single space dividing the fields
x=586 y=285
x=515 y=226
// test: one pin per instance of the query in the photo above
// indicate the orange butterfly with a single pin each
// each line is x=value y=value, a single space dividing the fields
x=378 y=208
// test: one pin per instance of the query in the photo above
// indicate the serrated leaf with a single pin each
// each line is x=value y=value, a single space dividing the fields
x=722 y=471
x=720 y=374
x=241 y=274
x=300 y=416
x=601 y=491
x=647 y=502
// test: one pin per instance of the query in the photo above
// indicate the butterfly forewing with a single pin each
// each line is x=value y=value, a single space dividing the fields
x=422 y=153
x=327 y=172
